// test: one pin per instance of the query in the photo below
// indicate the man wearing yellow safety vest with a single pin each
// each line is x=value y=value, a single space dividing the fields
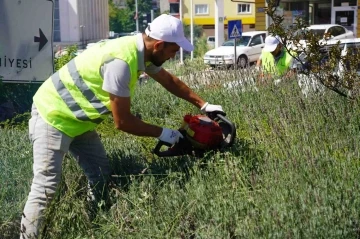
x=275 y=60
x=98 y=82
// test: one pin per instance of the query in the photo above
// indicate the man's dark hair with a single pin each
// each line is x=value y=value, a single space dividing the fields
x=166 y=44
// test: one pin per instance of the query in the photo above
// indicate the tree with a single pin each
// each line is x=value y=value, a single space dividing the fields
x=121 y=20
x=124 y=20
x=198 y=31
x=112 y=9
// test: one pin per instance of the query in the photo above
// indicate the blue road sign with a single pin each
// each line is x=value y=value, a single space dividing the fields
x=234 y=29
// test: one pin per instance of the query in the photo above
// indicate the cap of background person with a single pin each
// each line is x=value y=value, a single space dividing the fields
x=169 y=29
x=271 y=42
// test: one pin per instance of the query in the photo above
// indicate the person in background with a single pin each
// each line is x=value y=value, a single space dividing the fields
x=275 y=60
x=73 y=101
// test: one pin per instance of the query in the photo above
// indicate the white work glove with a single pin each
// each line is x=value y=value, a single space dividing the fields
x=170 y=136
x=277 y=81
x=207 y=108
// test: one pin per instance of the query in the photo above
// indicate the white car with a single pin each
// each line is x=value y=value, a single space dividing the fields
x=326 y=32
x=353 y=43
x=331 y=31
x=248 y=49
x=343 y=44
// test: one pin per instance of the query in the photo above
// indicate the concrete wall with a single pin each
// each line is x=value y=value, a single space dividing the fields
x=92 y=14
x=69 y=21
x=260 y=16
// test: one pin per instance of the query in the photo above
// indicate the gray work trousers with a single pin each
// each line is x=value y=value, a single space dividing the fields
x=49 y=148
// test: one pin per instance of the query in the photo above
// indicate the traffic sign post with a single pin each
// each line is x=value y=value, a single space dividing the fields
x=26 y=32
x=234 y=32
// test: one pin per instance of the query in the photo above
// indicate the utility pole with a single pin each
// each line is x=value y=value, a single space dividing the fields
x=219 y=22
x=137 y=16
x=82 y=36
x=267 y=17
x=181 y=19
x=191 y=28
x=152 y=14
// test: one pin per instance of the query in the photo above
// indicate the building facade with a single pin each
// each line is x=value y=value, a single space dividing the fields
x=120 y=3
x=204 y=13
x=342 y=12
x=80 y=21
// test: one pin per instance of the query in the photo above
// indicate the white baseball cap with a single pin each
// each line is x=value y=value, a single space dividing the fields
x=169 y=29
x=271 y=42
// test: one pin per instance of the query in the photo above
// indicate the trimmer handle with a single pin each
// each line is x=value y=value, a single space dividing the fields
x=158 y=146
x=232 y=133
x=213 y=115
x=220 y=117
x=182 y=147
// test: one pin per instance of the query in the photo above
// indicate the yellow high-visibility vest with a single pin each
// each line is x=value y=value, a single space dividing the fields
x=280 y=68
x=72 y=100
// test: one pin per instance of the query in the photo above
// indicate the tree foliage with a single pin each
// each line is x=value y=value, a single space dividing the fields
x=123 y=19
x=70 y=53
x=198 y=31
x=123 y=22
x=112 y=9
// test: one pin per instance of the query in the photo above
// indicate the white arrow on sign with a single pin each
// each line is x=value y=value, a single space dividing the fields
x=26 y=51
x=235 y=32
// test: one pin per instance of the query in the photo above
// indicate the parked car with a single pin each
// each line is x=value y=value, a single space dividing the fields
x=115 y=35
x=331 y=31
x=351 y=42
x=326 y=32
x=248 y=49
x=346 y=46
x=134 y=33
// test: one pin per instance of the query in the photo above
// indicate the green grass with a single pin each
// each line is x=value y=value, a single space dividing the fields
x=293 y=172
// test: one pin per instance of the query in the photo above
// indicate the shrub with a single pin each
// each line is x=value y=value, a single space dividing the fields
x=70 y=53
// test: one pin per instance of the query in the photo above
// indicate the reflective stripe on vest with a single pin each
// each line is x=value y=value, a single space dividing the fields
x=85 y=90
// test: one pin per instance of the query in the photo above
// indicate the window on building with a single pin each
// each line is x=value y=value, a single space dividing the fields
x=120 y=3
x=174 y=8
x=57 y=35
x=201 y=9
x=244 y=8
x=340 y=3
x=155 y=4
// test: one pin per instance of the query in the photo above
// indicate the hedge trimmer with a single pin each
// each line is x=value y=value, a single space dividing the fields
x=201 y=133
